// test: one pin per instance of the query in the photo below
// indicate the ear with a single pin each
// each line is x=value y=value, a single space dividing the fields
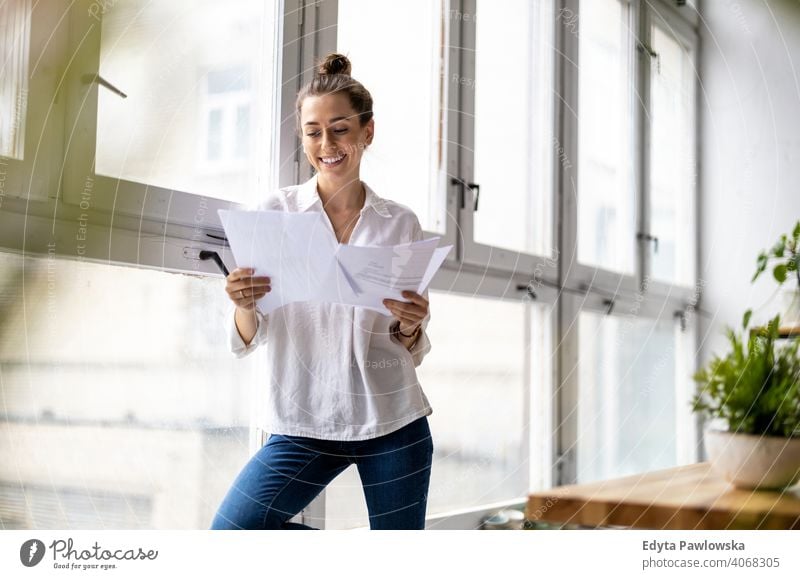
x=370 y=128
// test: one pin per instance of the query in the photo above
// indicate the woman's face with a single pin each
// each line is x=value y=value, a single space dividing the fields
x=333 y=138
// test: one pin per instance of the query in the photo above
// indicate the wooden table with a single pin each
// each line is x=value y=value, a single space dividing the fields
x=684 y=497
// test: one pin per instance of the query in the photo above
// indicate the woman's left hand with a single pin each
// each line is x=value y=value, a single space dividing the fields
x=410 y=314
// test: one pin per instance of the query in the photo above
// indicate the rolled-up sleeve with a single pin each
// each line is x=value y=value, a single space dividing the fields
x=237 y=346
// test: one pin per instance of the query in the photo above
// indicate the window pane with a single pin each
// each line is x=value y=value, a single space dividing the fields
x=15 y=30
x=405 y=161
x=122 y=406
x=672 y=172
x=189 y=68
x=214 y=140
x=475 y=379
x=514 y=124
x=606 y=218
x=627 y=411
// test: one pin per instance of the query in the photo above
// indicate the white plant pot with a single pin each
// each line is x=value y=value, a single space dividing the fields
x=790 y=315
x=754 y=462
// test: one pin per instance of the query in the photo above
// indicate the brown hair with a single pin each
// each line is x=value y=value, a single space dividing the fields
x=332 y=76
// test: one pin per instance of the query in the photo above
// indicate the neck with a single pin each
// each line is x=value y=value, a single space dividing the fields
x=341 y=196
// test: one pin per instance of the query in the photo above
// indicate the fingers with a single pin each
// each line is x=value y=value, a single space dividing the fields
x=239 y=273
x=406 y=316
x=249 y=285
x=244 y=289
x=242 y=278
x=416 y=298
x=406 y=309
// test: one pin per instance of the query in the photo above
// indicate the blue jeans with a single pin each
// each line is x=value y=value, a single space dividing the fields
x=288 y=472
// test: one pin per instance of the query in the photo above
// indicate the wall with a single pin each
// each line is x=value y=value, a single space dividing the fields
x=750 y=153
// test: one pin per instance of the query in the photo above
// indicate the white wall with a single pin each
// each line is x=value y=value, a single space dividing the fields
x=750 y=152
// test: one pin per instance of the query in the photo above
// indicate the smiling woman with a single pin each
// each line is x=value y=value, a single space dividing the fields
x=334 y=114
x=342 y=388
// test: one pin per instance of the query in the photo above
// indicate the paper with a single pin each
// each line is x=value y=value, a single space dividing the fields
x=300 y=255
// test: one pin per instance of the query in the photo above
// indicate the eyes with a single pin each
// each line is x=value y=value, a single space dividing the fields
x=339 y=131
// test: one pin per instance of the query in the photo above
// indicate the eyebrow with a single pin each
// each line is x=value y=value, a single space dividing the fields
x=333 y=120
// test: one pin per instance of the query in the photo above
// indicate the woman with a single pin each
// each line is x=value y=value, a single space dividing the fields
x=343 y=388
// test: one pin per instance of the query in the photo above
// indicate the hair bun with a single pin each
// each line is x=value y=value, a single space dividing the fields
x=335 y=64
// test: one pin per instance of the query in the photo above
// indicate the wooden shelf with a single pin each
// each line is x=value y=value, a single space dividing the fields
x=784 y=332
x=684 y=497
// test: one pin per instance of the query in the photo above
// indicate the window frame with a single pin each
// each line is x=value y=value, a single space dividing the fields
x=680 y=30
x=121 y=207
x=472 y=252
x=605 y=290
x=33 y=180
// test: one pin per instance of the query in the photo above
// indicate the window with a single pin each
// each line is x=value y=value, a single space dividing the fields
x=606 y=218
x=672 y=156
x=554 y=201
x=480 y=390
x=15 y=30
x=628 y=400
x=625 y=367
x=227 y=120
x=514 y=141
x=197 y=110
x=406 y=160
x=121 y=406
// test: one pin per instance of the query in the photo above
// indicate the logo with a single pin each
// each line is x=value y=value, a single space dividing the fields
x=31 y=552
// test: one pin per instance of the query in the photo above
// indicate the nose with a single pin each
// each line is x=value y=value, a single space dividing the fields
x=327 y=141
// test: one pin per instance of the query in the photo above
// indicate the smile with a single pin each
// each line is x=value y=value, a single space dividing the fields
x=333 y=161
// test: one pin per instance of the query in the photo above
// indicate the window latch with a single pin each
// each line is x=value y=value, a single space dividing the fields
x=476 y=188
x=647 y=237
x=91 y=78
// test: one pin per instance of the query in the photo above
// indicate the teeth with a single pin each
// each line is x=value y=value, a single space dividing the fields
x=332 y=160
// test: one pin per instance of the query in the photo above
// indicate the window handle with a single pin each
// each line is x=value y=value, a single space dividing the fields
x=477 y=189
x=647 y=237
x=90 y=78
x=642 y=47
x=473 y=186
x=460 y=184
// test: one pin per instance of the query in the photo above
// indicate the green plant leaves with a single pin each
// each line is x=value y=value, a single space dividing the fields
x=787 y=249
x=780 y=272
x=780 y=247
x=761 y=265
x=756 y=389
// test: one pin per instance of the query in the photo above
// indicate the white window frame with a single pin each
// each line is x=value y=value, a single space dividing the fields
x=597 y=289
x=28 y=184
x=127 y=222
x=494 y=258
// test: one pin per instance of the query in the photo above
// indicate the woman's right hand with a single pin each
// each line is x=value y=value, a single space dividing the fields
x=244 y=289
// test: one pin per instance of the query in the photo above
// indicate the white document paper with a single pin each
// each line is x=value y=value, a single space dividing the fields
x=299 y=254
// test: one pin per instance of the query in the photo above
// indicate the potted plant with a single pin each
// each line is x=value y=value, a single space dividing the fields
x=785 y=255
x=754 y=391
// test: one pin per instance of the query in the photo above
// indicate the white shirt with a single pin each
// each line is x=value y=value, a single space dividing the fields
x=335 y=372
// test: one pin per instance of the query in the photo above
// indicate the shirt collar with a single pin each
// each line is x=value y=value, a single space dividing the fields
x=308 y=197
